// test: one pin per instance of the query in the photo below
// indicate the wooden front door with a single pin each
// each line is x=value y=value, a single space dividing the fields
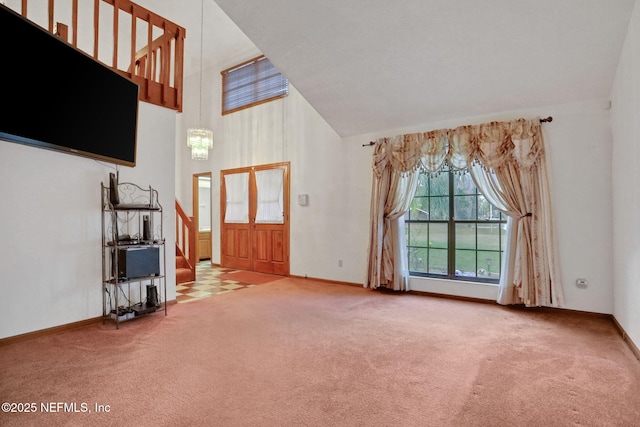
x=254 y=206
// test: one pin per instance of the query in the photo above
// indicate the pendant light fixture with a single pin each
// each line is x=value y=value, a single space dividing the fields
x=200 y=140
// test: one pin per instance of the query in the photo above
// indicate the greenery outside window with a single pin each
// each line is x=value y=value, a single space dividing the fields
x=452 y=231
x=251 y=83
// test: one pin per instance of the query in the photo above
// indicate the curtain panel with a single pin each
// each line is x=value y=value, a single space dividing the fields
x=508 y=164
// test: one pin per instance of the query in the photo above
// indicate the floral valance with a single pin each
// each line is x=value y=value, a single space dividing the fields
x=490 y=144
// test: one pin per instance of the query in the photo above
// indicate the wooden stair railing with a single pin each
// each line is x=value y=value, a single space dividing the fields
x=158 y=71
x=186 y=238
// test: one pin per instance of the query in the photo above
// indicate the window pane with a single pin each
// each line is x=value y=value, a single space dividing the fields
x=438 y=235
x=437 y=261
x=466 y=263
x=489 y=236
x=252 y=82
x=418 y=259
x=418 y=234
x=489 y=264
x=419 y=210
x=465 y=207
x=423 y=185
x=487 y=212
x=439 y=208
x=466 y=236
x=439 y=185
x=463 y=184
x=503 y=236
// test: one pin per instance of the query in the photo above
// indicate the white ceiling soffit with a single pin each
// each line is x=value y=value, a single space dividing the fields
x=372 y=65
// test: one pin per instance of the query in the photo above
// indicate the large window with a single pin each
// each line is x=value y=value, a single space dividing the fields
x=251 y=83
x=452 y=231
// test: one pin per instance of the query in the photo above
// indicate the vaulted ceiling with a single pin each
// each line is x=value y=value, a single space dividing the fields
x=372 y=65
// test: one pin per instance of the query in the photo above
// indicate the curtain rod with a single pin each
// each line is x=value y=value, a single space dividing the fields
x=546 y=120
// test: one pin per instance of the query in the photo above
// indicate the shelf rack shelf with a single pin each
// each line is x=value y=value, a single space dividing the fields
x=133 y=252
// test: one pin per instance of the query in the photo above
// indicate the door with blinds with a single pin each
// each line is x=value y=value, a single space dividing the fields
x=254 y=206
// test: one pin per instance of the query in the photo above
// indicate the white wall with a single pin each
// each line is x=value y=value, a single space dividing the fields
x=50 y=257
x=625 y=125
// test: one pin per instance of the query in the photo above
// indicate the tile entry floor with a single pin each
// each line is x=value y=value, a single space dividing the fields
x=207 y=283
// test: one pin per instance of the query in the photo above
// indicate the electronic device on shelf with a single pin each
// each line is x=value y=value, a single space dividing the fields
x=137 y=262
x=114 y=197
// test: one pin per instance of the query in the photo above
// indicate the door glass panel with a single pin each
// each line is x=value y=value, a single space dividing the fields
x=270 y=186
x=237 y=203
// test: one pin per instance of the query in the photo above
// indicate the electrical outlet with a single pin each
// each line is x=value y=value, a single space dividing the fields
x=582 y=283
x=339 y=263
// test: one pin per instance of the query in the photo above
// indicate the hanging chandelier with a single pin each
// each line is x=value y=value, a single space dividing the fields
x=200 y=140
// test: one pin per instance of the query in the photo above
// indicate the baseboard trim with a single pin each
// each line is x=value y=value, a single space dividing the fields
x=632 y=346
x=56 y=329
x=448 y=296
x=49 y=331
x=334 y=282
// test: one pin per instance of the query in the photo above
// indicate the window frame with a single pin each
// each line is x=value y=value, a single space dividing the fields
x=254 y=83
x=451 y=223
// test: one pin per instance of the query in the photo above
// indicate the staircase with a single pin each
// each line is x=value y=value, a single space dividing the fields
x=185 y=246
x=117 y=29
x=184 y=272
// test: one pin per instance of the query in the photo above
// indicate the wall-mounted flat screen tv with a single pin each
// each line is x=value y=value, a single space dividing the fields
x=55 y=96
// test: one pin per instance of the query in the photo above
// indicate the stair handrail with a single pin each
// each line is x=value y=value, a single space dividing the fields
x=186 y=237
x=160 y=84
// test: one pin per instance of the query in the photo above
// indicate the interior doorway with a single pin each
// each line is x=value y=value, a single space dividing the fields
x=202 y=213
x=254 y=218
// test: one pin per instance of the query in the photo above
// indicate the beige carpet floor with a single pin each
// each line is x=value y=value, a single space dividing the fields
x=300 y=353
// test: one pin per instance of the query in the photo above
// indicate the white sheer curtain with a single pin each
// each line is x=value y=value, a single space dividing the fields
x=270 y=189
x=507 y=162
x=237 y=200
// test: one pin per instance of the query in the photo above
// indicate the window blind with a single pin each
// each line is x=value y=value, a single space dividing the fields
x=251 y=83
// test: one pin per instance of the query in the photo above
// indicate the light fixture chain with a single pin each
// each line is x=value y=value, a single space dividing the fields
x=201 y=43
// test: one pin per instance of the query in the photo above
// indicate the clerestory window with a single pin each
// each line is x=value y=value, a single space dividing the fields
x=251 y=83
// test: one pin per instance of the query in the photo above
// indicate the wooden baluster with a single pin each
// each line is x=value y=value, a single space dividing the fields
x=179 y=61
x=133 y=40
x=164 y=56
x=116 y=15
x=50 y=7
x=149 y=58
x=192 y=246
x=24 y=8
x=74 y=22
x=96 y=26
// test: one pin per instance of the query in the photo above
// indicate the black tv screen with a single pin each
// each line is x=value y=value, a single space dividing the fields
x=55 y=96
